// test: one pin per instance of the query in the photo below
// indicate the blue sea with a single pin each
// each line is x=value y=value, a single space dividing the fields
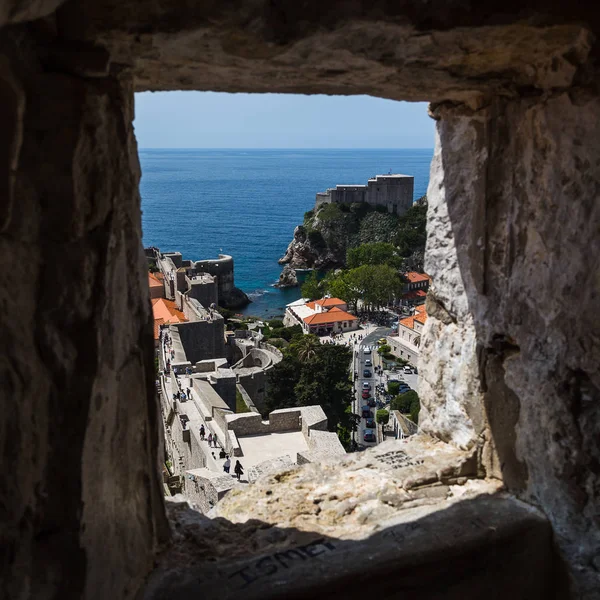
x=247 y=202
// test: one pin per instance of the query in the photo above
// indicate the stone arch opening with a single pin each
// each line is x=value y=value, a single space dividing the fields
x=516 y=101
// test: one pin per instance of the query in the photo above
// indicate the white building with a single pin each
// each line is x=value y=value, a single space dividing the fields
x=321 y=317
x=406 y=344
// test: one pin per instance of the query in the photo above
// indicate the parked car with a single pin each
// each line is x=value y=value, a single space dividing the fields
x=408 y=370
x=367 y=350
x=366 y=385
x=403 y=389
x=365 y=412
x=370 y=423
x=369 y=436
x=367 y=373
x=368 y=363
x=415 y=371
x=371 y=402
x=365 y=394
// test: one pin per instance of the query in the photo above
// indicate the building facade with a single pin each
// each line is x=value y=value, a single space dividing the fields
x=406 y=344
x=393 y=192
x=321 y=317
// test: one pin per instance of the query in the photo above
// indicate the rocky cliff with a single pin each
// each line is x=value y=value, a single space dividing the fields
x=322 y=241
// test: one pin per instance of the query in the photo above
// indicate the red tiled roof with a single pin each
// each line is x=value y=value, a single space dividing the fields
x=408 y=322
x=157 y=324
x=332 y=316
x=415 y=277
x=165 y=311
x=153 y=281
x=420 y=316
x=414 y=294
x=329 y=302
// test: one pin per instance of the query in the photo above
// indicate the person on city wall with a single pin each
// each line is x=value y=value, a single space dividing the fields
x=238 y=470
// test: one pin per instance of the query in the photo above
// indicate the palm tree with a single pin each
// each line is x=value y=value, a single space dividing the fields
x=306 y=347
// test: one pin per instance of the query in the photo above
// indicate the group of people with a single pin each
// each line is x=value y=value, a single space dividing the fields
x=169 y=352
x=183 y=395
x=213 y=440
x=238 y=469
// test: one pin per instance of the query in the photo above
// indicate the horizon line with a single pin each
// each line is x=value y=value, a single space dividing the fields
x=277 y=148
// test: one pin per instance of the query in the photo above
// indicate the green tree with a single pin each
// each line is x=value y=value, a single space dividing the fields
x=287 y=333
x=393 y=387
x=306 y=347
x=325 y=381
x=382 y=416
x=405 y=402
x=415 y=409
x=376 y=253
x=340 y=285
x=384 y=349
x=320 y=377
x=411 y=234
x=282 y=380
x=275 y=323
x=312 y=288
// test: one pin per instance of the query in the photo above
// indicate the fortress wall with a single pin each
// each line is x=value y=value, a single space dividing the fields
x=348 y=194
x=394 y=193
x=255 y=384
x=225 y=386
x=322 y=198
x=202 y=291
x=285 y=419
x=202 y=340
x=222 y=268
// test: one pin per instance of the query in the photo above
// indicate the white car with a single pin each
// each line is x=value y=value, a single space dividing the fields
x=368 y=363
x=367 y=350
x=407 y=370
x=366 y=385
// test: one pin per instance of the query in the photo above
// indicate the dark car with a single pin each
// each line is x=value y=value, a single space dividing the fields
x=367 y=373
x=369 y=436
x=365 y=394
x=366 y=412
x=371 y=402
x=370 y=423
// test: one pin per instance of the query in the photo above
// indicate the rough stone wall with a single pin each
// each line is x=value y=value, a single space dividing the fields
x=511 y=348
x=79 y=421
x=513 y=207
x=202 y=340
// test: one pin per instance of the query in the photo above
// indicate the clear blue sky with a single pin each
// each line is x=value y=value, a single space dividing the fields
x=219 y=120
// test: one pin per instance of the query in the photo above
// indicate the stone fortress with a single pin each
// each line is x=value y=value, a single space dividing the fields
x=392 y=191
x=208 y=281
x=203 y=371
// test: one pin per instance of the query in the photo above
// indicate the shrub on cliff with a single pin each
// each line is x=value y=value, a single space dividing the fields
x=315 y=237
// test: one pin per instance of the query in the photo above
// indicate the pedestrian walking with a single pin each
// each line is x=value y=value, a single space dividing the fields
x=202 y=432
x=210 y=439
x=239 y=471
x=227 y=464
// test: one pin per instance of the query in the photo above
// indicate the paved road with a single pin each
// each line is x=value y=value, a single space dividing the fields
x=359 y=366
